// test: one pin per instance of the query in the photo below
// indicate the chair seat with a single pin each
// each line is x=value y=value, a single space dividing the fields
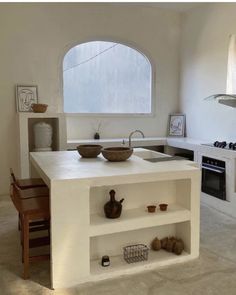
x=34 y=192
x=30 y=183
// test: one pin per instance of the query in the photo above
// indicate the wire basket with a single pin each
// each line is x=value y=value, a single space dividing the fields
x=135 y=253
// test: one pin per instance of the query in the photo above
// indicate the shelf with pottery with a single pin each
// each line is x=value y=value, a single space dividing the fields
x=137 y=225
x=113 y=244
x=120 y=267
x=137 y=218
x=137 y=196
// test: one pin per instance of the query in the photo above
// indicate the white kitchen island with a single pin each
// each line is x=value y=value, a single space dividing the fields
x=80 y=233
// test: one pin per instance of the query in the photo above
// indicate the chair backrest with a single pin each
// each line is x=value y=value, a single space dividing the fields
x=12 y=176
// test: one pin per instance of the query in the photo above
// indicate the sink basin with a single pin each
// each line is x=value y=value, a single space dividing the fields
x=147 y=154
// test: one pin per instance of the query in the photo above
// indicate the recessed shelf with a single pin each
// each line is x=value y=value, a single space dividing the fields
x=119 y=266
x=137 y=218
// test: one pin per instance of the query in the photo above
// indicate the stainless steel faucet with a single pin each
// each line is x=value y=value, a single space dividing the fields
x=139 y=131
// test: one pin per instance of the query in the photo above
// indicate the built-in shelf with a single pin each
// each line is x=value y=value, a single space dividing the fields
x=118 y=266
x=137 y=218
x=25 y=123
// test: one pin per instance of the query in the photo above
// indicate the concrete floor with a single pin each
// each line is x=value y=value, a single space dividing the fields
x=212 y=274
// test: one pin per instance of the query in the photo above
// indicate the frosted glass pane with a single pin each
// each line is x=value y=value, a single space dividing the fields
x=106 y=77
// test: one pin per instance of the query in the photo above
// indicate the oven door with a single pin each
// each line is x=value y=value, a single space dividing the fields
x=213 y=181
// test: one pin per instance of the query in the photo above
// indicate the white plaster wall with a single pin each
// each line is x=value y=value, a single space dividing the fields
x=205 y=39
x=34 y=39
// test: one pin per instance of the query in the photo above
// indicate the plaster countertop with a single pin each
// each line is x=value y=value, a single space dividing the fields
x=67 y=165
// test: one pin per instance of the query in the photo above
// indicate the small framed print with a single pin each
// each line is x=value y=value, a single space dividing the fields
x=25 y=97
x=176 y=125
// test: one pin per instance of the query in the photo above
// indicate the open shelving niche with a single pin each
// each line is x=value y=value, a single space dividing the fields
x=136 y=225
x=25 y=124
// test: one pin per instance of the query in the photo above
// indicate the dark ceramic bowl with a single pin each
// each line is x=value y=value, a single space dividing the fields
x=117 y=154
x=163 y=207
x=89 y=150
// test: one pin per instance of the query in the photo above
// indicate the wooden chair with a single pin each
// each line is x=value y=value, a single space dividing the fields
x=30 y=188
x=30 y=210
x=27 y=182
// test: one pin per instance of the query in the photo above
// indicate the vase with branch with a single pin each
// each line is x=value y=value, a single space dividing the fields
x=97 y=131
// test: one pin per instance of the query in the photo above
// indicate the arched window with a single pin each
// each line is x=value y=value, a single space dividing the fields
x=106 y=78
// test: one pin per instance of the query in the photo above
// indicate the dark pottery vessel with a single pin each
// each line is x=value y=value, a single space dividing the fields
x=89 y=150
x=96 y=136
x=113 y=208
x=117 y=154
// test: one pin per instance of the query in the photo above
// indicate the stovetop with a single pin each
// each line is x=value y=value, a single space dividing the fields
x=222 y=145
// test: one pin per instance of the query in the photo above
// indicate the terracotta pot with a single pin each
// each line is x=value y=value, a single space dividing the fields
x=163 y=207
x=151 y=208
x=113 y=208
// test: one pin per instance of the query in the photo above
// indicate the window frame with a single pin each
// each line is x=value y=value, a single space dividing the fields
x=126 y=115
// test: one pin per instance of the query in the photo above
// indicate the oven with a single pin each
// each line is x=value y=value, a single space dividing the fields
x=213 y=177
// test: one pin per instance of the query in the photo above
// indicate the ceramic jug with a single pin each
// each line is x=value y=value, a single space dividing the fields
x=113 y=208
x=42 y=137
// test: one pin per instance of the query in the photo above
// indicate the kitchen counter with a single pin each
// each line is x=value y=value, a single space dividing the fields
x=68 y=165
x=109 y=142
x=195 y=145
x=80 y=234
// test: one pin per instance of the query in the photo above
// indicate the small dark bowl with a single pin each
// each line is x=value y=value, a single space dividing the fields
x=117 y=154
x=163 y=207
x=89 y=150
x=151 y=208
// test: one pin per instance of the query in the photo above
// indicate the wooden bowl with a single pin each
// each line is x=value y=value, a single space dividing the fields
x=117 y=154
x=89 y=150
x=151 y=208
x=39 y=107
x=163 y=207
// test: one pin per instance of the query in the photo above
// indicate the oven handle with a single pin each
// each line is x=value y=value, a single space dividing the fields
x=214 y=170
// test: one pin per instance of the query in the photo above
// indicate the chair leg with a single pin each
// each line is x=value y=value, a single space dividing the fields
x=19 y=226
x=26 y=247
x=21 y=238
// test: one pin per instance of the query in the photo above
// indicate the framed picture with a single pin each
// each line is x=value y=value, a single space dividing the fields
x=176 y=125
x=25 y=97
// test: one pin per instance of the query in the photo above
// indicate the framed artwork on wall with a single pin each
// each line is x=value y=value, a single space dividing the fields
x=176 y=125
x=25 y=97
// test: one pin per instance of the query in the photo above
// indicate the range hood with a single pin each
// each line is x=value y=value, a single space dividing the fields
x=226 y=99
x=229 y=98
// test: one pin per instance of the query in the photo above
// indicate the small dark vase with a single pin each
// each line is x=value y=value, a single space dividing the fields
x=96 y=135
x=113 y=208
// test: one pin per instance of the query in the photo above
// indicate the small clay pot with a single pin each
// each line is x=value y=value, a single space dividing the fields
x=163 y=207
x=151 y=208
